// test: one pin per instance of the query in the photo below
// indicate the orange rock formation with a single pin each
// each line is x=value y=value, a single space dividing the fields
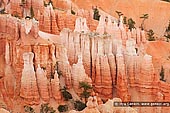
x=117 y=62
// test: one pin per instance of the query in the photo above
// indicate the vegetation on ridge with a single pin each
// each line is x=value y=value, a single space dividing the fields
x=45 y=108
x=150 y=34
x=29 y=109
x=79 y=106
x=131 y=24
x=119 y=13
x=86 y=90
x=96 y=14
x=144 y=17
x=62 y=108
x=67 y=96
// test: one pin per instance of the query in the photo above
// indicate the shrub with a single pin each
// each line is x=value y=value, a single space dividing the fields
x=29 y=109
x=124 y=20
x=96 y=15
x=66 y=94
x=45 y=108
x=144 y=17
x=119 y=13
x=131 y=23
x=151 y=35
x=62 y=108
x=86 y=87
x=79 y=106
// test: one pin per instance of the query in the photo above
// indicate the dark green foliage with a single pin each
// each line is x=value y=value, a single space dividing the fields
x=62 y=108
x=144 y=17
x=131 y=24
x=79 y=106
x=167 y=32
x=73 y=12
x=29 y=109
x=119 y=13
x=96 y=15
x=124 y=20
x=151 y=35
x=162 y=74
x=86 y=87
x=32 y=11
x=66 y=94
x=45 y=108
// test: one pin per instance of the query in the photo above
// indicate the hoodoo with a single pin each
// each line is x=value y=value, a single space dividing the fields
x=80 y=56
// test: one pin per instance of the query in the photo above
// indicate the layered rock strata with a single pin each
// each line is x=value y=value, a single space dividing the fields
x=113 y=57
x=29 y=89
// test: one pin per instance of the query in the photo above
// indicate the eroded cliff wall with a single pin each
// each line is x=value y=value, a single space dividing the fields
x=112 y=59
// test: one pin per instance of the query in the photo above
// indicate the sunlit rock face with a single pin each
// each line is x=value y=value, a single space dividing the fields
x=39 y=56
x=42 y=83
x=55 y=87
x=29 y=89
x=79 y=76
x=22 y=8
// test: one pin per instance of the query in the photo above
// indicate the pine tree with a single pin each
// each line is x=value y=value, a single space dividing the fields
x=124 y=20
x=96 y=15
x=29 y=109
x=144 y=17
x=119 y=13
x=45 y=108
x=151 y=35
x=131 y=23
x=86 y=87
